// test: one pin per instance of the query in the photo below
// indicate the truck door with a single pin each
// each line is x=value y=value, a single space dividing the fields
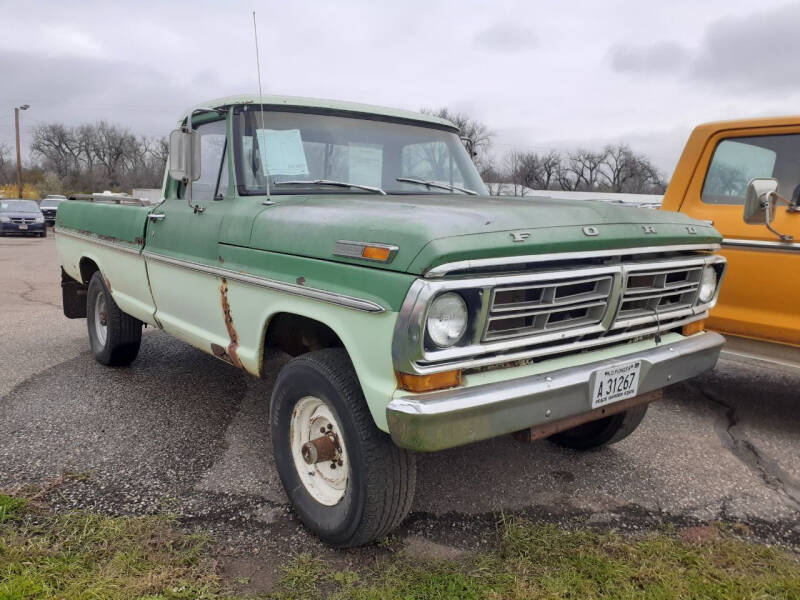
x=181 y=249
x=761 y=292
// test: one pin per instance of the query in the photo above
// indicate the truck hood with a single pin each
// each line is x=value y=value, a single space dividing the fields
x=434 y=229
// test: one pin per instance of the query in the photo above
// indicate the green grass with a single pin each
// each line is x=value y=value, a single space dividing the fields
x=86 y=556
x=548 y=562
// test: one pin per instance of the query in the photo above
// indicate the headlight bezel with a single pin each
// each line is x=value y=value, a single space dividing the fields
x=710 y=286
x=432 y=306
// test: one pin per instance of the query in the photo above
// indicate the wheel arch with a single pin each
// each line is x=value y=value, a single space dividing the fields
x=365 y=337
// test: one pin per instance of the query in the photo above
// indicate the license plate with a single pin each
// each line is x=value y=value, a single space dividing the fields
x=23 y=226
x=615 y=383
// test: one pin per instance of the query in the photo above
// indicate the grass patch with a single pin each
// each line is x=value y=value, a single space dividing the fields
x=548 y=562
x=81 y=556
x=11 y=508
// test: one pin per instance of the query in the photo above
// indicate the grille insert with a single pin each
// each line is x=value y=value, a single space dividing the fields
x=541 y=307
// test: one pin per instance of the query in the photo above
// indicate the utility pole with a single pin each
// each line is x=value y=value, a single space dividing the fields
x=19 y=161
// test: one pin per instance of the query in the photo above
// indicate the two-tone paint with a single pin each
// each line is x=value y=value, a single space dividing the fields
x=218 y=278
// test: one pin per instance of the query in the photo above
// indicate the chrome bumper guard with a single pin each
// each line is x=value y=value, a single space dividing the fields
x=444 y=419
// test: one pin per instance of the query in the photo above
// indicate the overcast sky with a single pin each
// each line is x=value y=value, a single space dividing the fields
x=540 y=74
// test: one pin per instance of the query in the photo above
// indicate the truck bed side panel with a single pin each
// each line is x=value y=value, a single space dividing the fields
x=112 y=237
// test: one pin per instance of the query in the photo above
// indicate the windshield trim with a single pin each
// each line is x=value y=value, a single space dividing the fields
x=241 y=188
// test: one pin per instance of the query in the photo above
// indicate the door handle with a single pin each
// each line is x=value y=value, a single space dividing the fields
x=156 y=216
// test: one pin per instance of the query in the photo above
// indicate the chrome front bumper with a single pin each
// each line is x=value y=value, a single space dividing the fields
x=438 y=420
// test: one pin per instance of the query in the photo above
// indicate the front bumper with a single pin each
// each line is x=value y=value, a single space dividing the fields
x=29 y=228
x=444 y=419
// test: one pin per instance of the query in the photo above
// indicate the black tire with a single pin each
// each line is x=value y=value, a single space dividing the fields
x=602 y=432
x=123 y=332
x=381 y=476
x=44 y=233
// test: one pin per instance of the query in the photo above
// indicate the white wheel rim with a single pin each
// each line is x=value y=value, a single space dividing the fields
x=325 y=481
x=100 y=319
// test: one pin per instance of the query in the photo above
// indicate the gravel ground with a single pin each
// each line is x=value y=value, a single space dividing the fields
x=184 y=433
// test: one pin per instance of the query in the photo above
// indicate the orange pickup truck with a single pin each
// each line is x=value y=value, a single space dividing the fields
x=744 y=176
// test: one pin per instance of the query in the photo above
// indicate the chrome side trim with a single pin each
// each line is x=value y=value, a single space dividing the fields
x=350 y=249
x=96 y=240
x=763 y=245
x=463 y=265
x=273 y=284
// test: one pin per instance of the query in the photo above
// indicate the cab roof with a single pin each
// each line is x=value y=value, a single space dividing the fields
x=337 y=105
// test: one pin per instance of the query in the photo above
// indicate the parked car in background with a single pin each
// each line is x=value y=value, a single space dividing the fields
x=21 y=217
x=49 y=206
x=744 y=177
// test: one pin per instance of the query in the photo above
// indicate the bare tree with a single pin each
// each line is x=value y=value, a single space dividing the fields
x=625 y=171
x=5 y=163
x=100 y=156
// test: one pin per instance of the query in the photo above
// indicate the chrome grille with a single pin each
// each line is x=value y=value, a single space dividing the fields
x=548 y=305
x=522 y=310
x=21 y=220
x=659 y=290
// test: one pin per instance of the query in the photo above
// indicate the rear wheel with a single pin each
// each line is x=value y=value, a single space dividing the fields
x=114 y=336
x=346 y=479
x=602 y=432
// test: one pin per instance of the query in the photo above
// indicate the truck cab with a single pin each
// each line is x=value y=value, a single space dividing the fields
x=721 y=163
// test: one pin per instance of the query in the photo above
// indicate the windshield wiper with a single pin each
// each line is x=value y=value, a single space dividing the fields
x=436 y=184
x=347 y=184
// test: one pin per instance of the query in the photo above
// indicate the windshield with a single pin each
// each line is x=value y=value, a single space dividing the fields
x=316 y=148
x=19 y=206
x=49 y=202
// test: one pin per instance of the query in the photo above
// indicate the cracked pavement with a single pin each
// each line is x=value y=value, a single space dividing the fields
x=184 y=433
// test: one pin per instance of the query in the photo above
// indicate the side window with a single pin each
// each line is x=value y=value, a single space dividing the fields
x=736 y=162
x=212 y=151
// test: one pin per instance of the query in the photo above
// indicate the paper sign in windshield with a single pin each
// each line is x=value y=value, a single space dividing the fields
x=282 y=151
x=365 y=165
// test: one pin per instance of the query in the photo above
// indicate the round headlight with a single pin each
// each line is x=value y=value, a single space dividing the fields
x=447 y=319
x=708 y=285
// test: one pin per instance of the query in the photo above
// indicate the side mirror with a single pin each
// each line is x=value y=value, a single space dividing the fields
x=759 y=202
x=184 y=155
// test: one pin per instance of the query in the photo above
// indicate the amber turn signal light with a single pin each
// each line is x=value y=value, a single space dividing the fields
x=693 y=328
x=375 y=253
x=427 y=383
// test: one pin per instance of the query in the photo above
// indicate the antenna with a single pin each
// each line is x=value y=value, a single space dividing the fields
x=261 y=104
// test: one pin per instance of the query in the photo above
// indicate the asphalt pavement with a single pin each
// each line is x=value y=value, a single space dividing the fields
x=183 y=433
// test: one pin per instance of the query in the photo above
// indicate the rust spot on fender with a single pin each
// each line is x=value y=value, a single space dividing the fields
x=301 y=280
x=233 y=346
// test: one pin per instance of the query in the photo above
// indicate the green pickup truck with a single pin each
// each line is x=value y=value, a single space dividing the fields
x=421 y=313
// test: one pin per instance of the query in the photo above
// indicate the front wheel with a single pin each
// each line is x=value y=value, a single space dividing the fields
x=346 y=479
x=114 y=336
x=605 y=431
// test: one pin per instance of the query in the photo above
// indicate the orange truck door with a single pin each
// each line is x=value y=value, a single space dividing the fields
x=760 y=297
